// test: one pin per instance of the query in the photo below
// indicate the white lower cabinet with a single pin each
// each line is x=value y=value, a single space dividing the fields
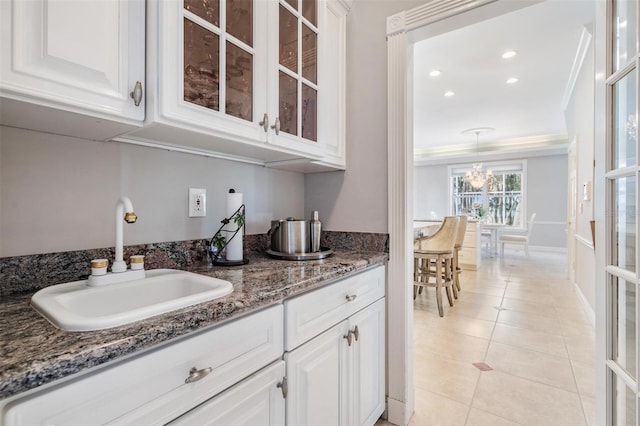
x=257 y=400
x=160 y=385
x=338 y=376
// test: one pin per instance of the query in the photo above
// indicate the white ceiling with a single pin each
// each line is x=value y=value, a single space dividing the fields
x=547 y=38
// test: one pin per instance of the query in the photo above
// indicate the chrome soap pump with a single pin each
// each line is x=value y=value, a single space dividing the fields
x=315 y=227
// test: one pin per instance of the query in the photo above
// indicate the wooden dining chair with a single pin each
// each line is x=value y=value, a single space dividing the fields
x=462 y=229
x=433 y=261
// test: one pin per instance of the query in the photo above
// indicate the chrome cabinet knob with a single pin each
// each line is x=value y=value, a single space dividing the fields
x=265 y=122
x=136 y=93
x=276 y=126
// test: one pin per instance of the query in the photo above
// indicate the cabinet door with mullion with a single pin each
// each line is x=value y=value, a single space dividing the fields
x=294 y=85
x=219 y=85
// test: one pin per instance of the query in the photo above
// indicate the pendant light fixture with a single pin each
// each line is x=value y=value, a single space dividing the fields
x=477 y=177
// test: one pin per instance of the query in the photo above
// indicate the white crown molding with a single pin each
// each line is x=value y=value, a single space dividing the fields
x=527 y=146
x=578 y=62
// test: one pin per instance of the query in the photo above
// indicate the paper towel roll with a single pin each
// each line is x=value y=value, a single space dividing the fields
x=234 y=248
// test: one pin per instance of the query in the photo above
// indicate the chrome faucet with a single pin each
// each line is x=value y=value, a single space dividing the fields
x=119 y=271
x=123 y=206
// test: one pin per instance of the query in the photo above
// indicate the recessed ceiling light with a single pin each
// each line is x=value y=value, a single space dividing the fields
x=449 y=93
x=435 y=73
x=509 y=54
x=512 y=80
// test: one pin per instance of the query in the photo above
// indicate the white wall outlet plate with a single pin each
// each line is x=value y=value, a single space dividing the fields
x=197 y=202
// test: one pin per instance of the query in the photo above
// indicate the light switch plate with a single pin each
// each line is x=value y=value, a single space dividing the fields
x=197 y=202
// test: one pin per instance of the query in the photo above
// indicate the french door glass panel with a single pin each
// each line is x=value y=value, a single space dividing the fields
x=624 y=244
x=624 y=407
x=219 y=48
x=621 y=222
x=624 y=322
x=625 y=27
x=626 y=120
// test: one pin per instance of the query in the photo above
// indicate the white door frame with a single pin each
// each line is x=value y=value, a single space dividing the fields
x=402 y=30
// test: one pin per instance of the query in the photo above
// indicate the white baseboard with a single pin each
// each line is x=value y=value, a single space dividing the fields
x=397 y=413
x=548 y=249
x=585 y=304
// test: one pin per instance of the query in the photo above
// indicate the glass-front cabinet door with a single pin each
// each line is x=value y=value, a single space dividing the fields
x=295 y=73
x=622 y=252
x=213 y=62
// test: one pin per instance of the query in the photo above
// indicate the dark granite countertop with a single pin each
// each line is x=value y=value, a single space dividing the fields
x=34 y=352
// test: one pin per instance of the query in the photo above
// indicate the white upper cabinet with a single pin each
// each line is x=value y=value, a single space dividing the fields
x=295 y=81
x=242 y=79
x=69 y=66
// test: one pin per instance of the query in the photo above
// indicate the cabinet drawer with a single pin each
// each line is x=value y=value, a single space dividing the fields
x=310 y=314
x=255 y=401
x=150 y=388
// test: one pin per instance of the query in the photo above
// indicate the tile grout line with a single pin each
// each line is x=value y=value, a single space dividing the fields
x=484 y=359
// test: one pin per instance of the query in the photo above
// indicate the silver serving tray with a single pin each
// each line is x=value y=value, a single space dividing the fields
x=324 y=252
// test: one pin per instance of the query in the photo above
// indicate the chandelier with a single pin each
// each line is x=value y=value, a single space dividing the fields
x=477 y=176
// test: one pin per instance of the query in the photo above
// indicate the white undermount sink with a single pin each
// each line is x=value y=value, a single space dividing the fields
x=75 y=306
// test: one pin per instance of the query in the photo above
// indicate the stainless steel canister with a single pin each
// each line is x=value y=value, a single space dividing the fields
x=289 y=236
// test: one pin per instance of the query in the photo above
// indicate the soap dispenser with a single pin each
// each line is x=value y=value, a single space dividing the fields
x=315 y=227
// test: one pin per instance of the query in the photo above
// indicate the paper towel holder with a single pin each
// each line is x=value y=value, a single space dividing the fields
x=219 y=242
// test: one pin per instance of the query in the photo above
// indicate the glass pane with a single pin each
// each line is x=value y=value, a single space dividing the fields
x=624 y=245
x=288 y=40
x=240 y=20
x=309 y=54
x=624 y=406
x=309 y=113
x=512 y=182
x=625 y=25
x=626 y=121
x=288 y=105
x=624 y=323
x=310 y=11
x=239 y=102
x=201 y=66
x=208 y=10
x=293 y=3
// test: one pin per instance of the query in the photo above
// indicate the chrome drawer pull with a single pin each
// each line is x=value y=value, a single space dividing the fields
x=195 y=374
x=351 y=298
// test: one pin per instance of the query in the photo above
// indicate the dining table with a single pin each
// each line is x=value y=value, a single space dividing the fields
x=494 y=229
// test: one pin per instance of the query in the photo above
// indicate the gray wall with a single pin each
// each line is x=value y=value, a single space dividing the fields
x=546 y=196
x=356 y=200
x=430 y=191
x=59 y=193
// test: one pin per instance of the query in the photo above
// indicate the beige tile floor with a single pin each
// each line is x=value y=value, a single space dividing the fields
x=523 y=319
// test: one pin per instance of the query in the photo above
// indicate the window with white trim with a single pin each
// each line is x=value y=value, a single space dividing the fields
x=500 y=200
